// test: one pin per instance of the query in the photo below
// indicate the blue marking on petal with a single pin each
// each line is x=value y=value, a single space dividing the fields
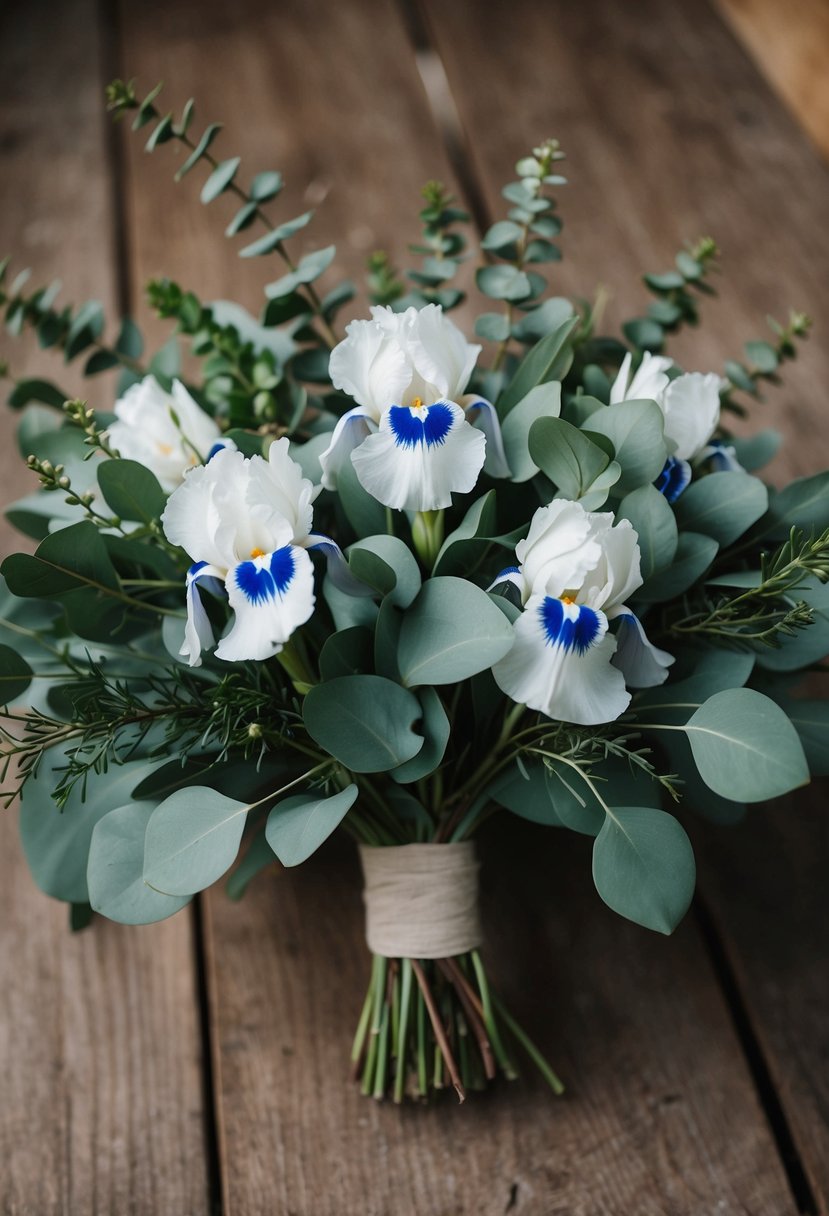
x=261 y=583
x=219 y=446
x=507 y=571
x=283 y=567
x=409 y=428
x=195 y=568
x=674 y=478
x=255 y=582
x=571 y=633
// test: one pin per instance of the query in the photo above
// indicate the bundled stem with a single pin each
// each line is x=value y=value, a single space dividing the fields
x=429 y=1022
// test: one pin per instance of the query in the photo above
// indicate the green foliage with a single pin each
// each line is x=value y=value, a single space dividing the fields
x=365 y=721
x=635 y=429
x=745 y=747
x=722 y=505
x=763 y=359
x=676 y=293
x=442 y=249
x=191 y=839
x=452 y=630
x=297 y=826
x=517 y=244
x=765 y=611
x=115 y=869
x=643 y=866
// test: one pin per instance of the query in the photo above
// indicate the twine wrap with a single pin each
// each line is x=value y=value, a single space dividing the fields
x=421 y=899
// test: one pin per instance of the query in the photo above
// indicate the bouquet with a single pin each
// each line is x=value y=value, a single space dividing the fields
x=374 y=580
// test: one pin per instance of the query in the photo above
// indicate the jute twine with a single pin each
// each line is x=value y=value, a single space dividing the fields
x=421 y=899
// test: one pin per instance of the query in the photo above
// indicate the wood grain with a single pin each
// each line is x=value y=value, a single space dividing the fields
x=791 y=47
x=660 y=1114
x=621 y=1011
x=100 y=1053
x=683 y=136
x=670 y=133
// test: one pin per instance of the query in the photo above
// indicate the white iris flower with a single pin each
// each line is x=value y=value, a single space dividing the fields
x=576 y=570
x=413 y=437
x=169 y=433
x=690 y=405
x=246 y=523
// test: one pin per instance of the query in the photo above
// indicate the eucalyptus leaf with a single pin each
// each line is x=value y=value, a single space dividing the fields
x=549 y=359
x=131 y=490
x=694 y=555
x=636 y=430
x=364 y=721
x=386 y=564
x=115 y=870
x=15 y=675
x=451 y=631
x=643 y=867
x=722 y=505
x=56 y=843
x=435 y=727
x=543 y=401
x=653 y=520
x=745 y=747
x=566 y=455
x=192 y=839
x=297 y=826
x=525 y=790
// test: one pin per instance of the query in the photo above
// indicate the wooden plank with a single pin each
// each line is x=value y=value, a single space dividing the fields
x=679 y=137
x=274 y=75
x=660 y=1115
x=622 y=1012
x=100 y=1054
x=791 y=47
x=765 y=882
x=669 y=133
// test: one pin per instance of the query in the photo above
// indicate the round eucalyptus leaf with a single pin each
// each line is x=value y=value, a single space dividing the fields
x=722 y=505
x=364 y=721
x=297 y=826
x=643 y=867
x=435 y=729
x=694 y=555
x=115 y=869
x=56 y=843
x=131 y=490
x=452 y=630
x=745 y=747
x=388 y=565
x=15 y=675
x=652 y=518
x=543 y=401
x=192 y=839
x=636 y=430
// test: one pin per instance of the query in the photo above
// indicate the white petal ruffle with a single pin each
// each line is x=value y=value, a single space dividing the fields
x=560 y=664
x=419 y=457
x=271 y=596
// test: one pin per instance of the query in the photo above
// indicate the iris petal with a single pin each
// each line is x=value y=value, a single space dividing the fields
x=419 y=458
x=560 y=664
x=271 y=596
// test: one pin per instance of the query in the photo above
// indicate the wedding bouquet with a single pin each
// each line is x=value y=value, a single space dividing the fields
x=373 y=580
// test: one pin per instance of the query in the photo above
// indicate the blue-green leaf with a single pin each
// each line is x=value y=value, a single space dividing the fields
x=643 y=867
x=297 y=826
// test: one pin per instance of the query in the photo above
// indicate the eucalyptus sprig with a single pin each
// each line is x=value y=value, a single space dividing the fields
x=763 y=359
x=677 y=291
x=70 y=330
x=442 y=249
x=295 y=291
x=518 y=242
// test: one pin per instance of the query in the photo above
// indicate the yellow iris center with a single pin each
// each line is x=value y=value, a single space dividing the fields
x=257 y=552
x=417 y=403
x=567 y=599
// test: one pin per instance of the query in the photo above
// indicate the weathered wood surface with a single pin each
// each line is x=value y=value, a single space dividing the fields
x=793 y=54
x=101 y=1107
x=669 y=132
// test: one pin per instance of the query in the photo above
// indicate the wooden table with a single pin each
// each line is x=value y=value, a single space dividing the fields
x=178 y=1070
